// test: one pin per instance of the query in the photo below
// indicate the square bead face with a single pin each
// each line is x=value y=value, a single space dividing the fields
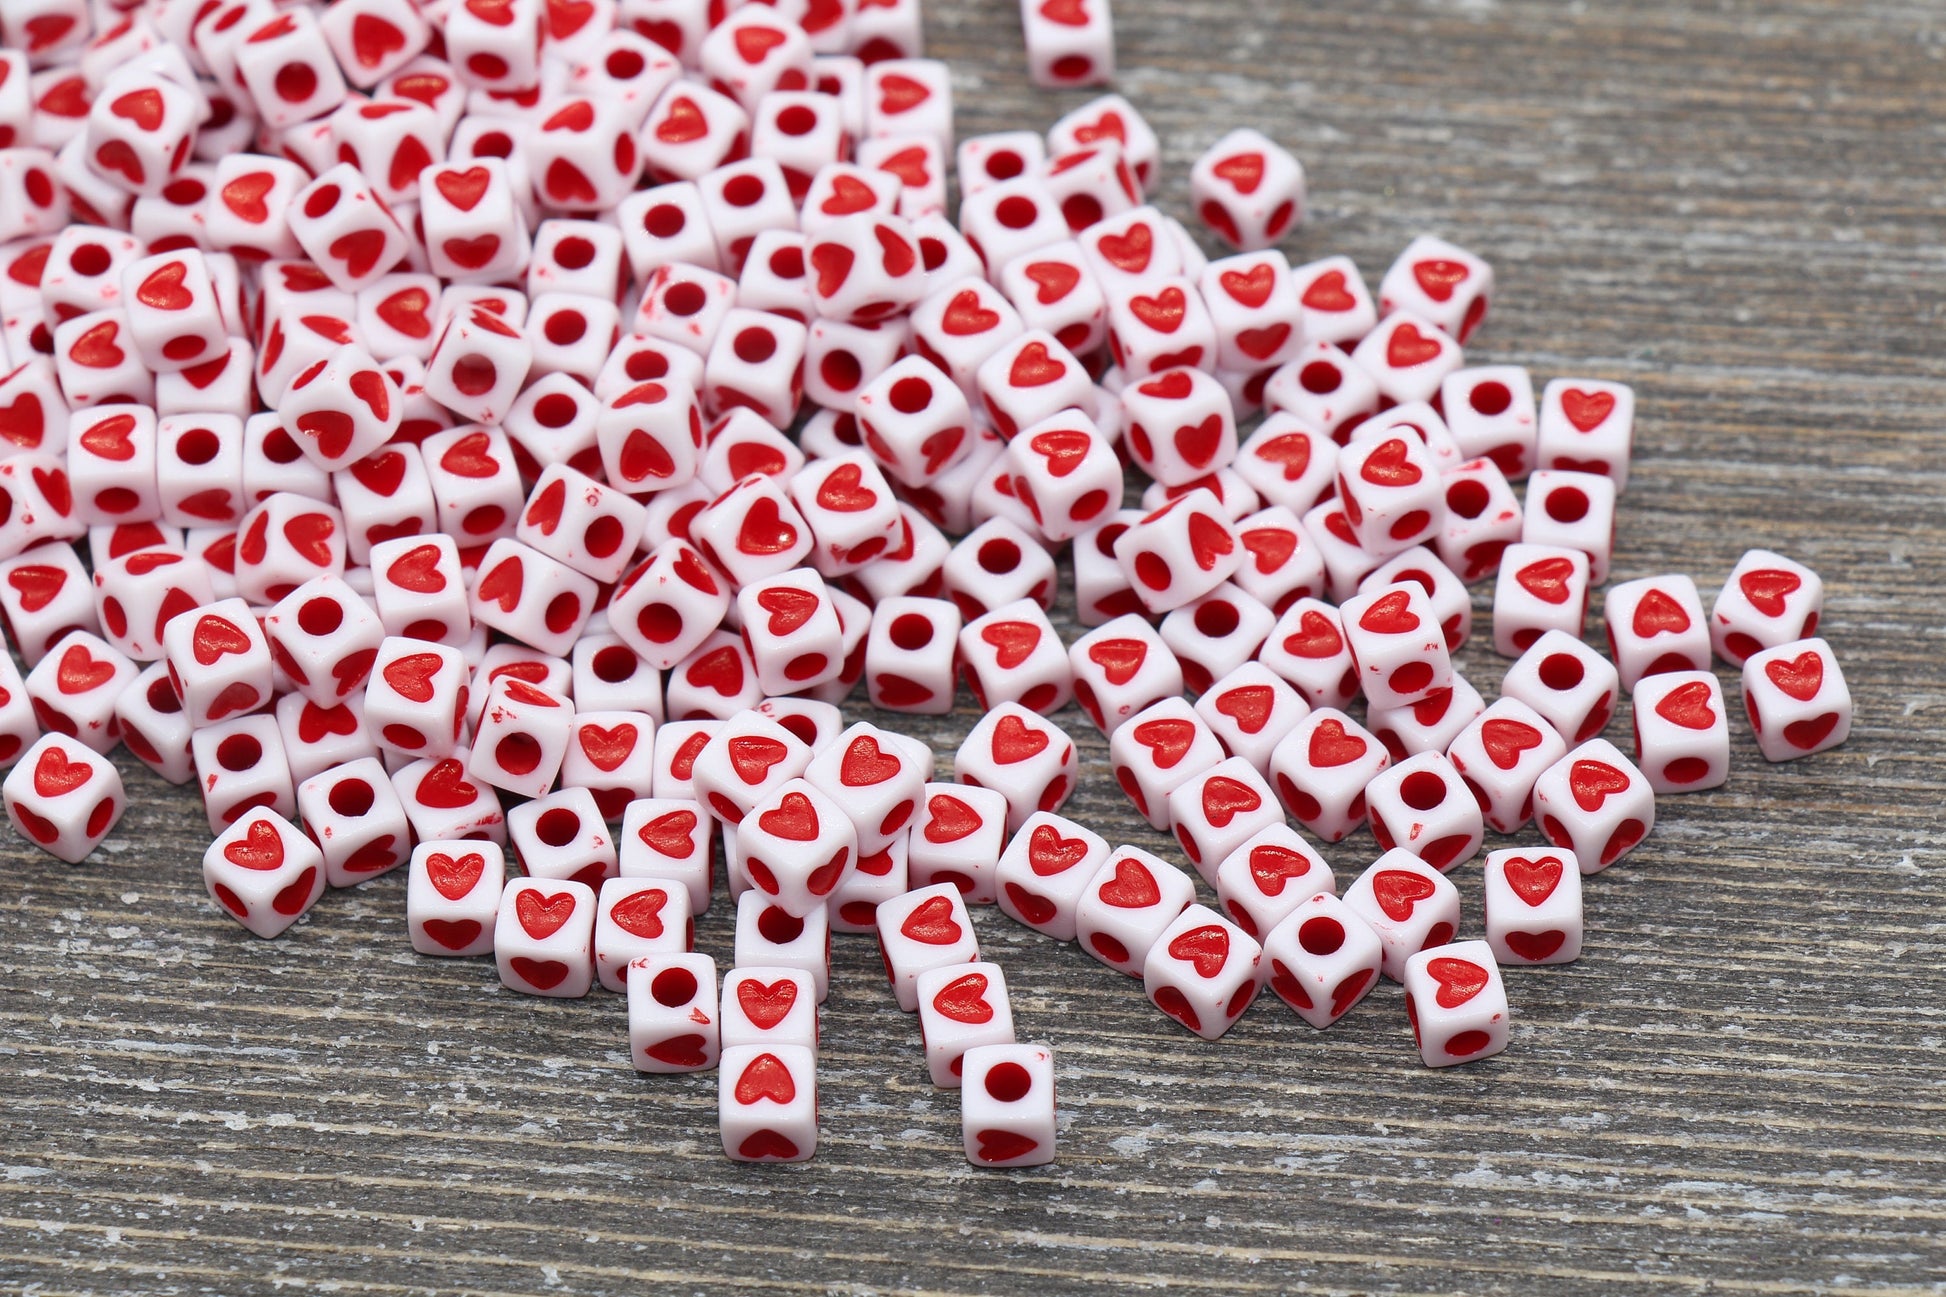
x=1203 y=971
x=961 y=1006
x=1533 y=906
x=1682 y=733
x=563 y=836
x=924 y=929
x=1456 y=1003
x=1420 y=805
x=672 y=1023
x=1007 y=1105
x=1408 y=903
x=264 y=872
x=767 y=1102
x=452 y=897
x=635 y=918
x=1594 y=802
x=1044 y=870
x=767 y=934
x=1768 y=600
x=544 y=937
x=1322 y=959
x=769 y=1005
x=1128 y=903
x=1797 y=700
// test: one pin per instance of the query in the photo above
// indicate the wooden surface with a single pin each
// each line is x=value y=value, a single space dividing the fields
x=1735 y=207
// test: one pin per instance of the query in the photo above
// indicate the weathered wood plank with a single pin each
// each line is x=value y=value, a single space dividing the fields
x=1735 y=207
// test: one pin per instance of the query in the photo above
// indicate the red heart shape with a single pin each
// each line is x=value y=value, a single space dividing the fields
x=24 y=422
x=1587 y=410
x=454 y=876
x=144 y=107
x=1547 y=579
x=1245 y=171
x=454 y=934
x=1439 y=277
x=1013 y=741
x=752 y=756
x=542 y=974
x=684 y=123
x=310 y=535
x=444 y=787
x=1003 y=1145
x=671 y=834
x=1332 y=746
x=898 y=93
x=359 y=250
x=765 y=529
x=162 y=289
x=1390 y=614
x=793 y=818
x=1133 y=886
x=1209 y=540
x=1315 y=637
x=1389 y=465
x=1801 y=677
x=608 y=748
x=1688 y=706
x=763 y=1144
x=1167 y=740
x=503 y=585
x=1504 y=740
x=685 y=1050
x=1129 y=252
x=1034 y=367
x=55 y=775
x=850 y=195
x=1408 y=347
x=766 y=1005
x=1272 y=866
x=1225 y=798
x=1163 y=312
x=79 y=671
x=1397 y=891
x=96 y=349
x=542 y=914
x=1535 y=946
x=372 y=38
x=1055 y=280
x=788 y=606
x=1659 y=614
x=214 y=637
x=1533 y=880
x=411 y=676
x=1248 y=705
x=949 y=819
x=720 y=669
x=1767 y=588
x=1013 y=643
x=640 y=913
x=38 y=585
x=1327 y=293
x=833 y=263
x=1119 y=659
x=1593 y=781
x=932 y=923
x=1049 y=853
x=1249 y=287
x=965 y=316
x=261 y=847
x=1206 y=949
x=1459 y=980
x=964 y=999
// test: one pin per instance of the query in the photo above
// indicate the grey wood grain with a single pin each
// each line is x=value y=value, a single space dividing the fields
x=1734 y=206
